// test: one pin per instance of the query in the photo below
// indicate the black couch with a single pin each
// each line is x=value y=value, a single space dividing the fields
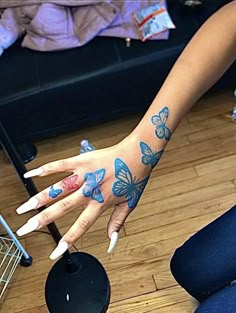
x=44 y=94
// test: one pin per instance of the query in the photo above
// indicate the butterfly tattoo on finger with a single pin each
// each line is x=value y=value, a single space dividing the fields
x=92 y=185
x=54 y=193
x=127 y=185
x=149 y=156
x=69 y=183
x=159 y=120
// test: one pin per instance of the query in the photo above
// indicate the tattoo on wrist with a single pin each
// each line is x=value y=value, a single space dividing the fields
x=159 y=120
x=149 y=156
x=127 y=185
x=92 y=185
x=54 y=193
x=69 y=183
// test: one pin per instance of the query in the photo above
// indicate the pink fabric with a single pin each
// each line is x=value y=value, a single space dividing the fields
x=124 y=25
x=17 y=3
x=52 y=25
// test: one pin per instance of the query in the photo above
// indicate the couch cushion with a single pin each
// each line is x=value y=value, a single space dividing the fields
x=78 y=64
x=18 y=74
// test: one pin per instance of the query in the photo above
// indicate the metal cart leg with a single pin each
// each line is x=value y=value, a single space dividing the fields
x=26 y=259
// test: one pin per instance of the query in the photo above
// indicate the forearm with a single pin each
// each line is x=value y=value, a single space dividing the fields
x=205 y=59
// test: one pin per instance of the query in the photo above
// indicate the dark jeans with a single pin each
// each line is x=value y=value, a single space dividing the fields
x=206 y=263
x=224 y=301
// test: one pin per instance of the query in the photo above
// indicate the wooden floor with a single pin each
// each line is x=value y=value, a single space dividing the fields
x=193 y=184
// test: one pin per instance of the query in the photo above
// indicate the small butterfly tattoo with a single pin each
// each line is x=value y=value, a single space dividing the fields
x=149 y=156
x=69 y=183
x=92 y=185
x=159 y=120
x=53 y=193
x=127 y=185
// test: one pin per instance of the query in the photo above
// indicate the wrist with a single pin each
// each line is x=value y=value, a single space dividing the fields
x=144 y=153
x=146 y=135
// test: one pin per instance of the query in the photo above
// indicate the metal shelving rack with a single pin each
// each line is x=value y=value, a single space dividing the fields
x=12 y=253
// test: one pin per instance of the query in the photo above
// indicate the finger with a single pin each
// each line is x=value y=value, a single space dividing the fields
x=64 y=165
x=86 y=219
x=113 y=242
x=58 y=190
x=53 y=212
x=117 y=220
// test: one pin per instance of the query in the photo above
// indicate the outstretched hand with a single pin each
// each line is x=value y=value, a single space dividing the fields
x=111 y=177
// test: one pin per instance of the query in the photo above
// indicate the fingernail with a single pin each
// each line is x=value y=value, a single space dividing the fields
x=30 y=226
x=113 y=242
x=27 y=206
x=60 y=249
x=35 y=172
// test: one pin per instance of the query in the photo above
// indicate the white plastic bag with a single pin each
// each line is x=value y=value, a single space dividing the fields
x=152 y=21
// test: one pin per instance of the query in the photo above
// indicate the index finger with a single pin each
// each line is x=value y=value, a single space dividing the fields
x=64 y=165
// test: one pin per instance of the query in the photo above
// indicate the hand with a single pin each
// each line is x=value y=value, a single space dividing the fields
x=111 y=177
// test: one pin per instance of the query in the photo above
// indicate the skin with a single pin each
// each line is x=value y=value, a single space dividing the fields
x=208 y=55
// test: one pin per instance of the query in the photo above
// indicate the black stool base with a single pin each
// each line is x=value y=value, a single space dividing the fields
x=85 y=291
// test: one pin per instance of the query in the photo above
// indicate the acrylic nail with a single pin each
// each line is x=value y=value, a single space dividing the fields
x=60 y=249
x=113 y=242
x=28 y=206
x=33 y=173
x=30 y=226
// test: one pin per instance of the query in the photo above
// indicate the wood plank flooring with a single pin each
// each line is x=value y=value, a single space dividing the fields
x=193 y=184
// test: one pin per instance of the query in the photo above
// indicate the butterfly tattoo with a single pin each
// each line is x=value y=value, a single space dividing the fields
x=159 y=120
x=69 y=183
x=92 y=185
x=53 y=193
x=127 y=185
x=149 y=156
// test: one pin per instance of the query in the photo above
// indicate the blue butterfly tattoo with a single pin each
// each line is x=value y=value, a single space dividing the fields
x=126 y=185
x=53 y=193
x=92 y=185
x=149 y=156
x=159 y=120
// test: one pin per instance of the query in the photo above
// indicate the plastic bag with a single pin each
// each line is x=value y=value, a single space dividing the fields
x=152 y=21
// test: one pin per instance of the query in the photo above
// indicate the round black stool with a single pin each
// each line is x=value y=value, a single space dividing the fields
x=81 y=287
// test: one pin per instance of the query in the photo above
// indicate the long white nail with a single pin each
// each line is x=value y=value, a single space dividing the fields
x=35 y=172
x=60 y=249
x=113 y=242
x=27 y=206
x=31 y=225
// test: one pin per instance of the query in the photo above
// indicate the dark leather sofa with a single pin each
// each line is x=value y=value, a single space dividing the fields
x=45 y=94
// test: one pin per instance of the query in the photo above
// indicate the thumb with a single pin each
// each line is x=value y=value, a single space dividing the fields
x=117 y=220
